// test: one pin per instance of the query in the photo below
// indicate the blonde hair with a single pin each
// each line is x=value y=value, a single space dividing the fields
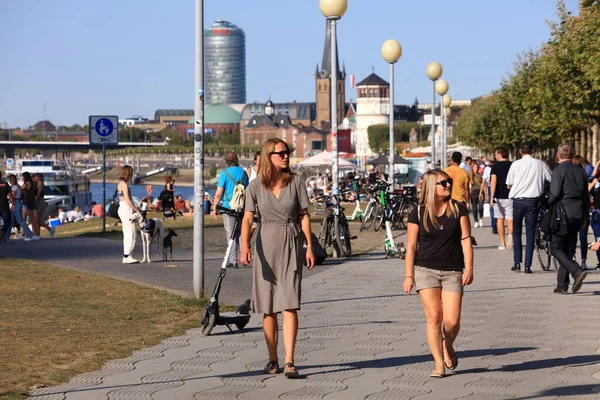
x=126 y=173
x=428 y=200
x=266 y=169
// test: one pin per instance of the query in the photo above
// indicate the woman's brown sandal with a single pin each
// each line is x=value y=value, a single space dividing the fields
x=272 y=368
x=290 y=371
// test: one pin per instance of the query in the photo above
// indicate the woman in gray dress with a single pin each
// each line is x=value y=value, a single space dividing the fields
x=279 y=198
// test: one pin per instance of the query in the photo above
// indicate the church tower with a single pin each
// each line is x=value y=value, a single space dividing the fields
x=323 y=86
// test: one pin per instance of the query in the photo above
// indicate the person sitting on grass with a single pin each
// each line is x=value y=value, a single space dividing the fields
x=183 y=207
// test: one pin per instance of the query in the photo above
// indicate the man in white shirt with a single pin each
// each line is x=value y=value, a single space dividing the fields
x=526 y=180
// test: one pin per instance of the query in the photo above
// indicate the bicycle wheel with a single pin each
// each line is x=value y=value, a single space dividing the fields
x=323 y=236
x=368 y=216
x=342 y=237
x=542 y=248
x=379 y=218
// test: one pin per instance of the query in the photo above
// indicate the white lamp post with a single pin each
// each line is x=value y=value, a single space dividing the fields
x=441 y=87
x=446 y=102
x=334 y=10
x=434 y=71
x=391 y=51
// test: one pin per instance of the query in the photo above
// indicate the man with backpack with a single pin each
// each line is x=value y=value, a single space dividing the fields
x=230 y=189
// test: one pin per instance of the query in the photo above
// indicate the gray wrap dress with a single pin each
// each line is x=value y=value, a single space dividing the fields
x=278 y=254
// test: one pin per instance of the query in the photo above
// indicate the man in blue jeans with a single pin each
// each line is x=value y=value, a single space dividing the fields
x=526 y=180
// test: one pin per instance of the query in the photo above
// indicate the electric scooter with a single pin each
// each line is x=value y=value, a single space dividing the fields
x=212 y=316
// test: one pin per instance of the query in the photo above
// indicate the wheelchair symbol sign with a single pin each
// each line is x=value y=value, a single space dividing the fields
x=104 y=127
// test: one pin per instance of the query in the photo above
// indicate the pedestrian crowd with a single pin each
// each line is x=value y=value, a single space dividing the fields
x=22 y=208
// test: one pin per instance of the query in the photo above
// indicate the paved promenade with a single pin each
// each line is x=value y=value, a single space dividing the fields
x=361 y=337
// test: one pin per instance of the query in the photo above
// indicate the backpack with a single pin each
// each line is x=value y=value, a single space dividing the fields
x=237 y=200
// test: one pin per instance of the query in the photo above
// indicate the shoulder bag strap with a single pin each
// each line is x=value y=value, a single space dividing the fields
x=232 y=180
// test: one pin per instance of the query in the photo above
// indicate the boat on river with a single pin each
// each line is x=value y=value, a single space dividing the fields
x=64 y=186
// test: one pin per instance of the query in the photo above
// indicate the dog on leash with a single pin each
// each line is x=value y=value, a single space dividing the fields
x=168 y=244
x=151 y=229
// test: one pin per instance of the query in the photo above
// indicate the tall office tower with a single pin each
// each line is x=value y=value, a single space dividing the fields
x=224 y=64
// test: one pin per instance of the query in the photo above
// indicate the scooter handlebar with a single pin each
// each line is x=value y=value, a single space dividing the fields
x=234 y=213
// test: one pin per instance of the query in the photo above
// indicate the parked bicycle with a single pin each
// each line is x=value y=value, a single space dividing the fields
x=335 y=231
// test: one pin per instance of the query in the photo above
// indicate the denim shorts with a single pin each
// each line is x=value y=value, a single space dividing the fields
x=449 y=281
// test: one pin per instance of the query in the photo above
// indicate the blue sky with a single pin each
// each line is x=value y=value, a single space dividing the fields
x=131 y=57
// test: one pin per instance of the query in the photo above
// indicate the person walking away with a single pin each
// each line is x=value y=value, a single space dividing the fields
x=503 y=205
x=477 y=196
x=40 y=204
x=583 y=232
x=569 y=187
x=126 y=210
x=439 y=264
x=252 y=171
x=280 y=199
x=460 y=180
x=17 y=214
x=526 y=180
x=6 y=209
x=231 y=176
x=28 y=193
x=487 y=170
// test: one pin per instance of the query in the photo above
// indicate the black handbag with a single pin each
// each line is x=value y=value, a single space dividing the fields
x=113 y=208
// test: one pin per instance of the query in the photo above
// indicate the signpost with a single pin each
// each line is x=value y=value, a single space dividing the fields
x=103 y=130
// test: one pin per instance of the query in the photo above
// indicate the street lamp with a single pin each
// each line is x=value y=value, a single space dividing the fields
x=446 y=102
x=434 y=71
x=334 y=10
x=441 y=87
x=391 y=51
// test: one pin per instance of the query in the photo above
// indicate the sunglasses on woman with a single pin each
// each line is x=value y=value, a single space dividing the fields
x=445 y=183
x=281 y=154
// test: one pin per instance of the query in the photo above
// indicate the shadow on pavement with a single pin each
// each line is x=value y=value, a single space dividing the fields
x=539 y=364
x=574 y=390
x=379 y=363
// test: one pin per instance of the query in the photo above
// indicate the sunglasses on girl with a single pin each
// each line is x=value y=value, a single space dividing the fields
x=445 y=183
x=281 y=154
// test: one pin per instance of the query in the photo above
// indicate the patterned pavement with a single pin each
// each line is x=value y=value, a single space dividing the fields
x=362 y=338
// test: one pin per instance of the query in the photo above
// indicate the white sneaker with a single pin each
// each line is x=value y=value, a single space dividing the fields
x=35 y=237
x=501 y=247
x=28 y=239
x=481 y=223
x=52 y=232
x=509 y=242
x=19 y=237
x=475 y=225
x=130 y=260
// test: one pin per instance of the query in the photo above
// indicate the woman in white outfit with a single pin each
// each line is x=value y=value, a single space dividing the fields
x=126 y=210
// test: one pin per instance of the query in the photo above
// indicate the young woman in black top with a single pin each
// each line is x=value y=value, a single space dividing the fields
x=439 y=263
x=29 y=205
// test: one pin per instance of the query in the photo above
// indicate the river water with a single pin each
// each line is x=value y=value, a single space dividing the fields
x=139 y=191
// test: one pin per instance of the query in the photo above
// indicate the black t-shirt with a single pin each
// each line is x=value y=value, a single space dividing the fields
x=440 y=248
x=500 y=169
x=4 y=192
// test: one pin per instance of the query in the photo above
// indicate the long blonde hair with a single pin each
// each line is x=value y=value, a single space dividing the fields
x=428 y=199
x=266 y=169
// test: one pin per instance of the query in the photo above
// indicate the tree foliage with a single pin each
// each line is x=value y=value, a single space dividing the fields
x=553 y=95
x=379 y=135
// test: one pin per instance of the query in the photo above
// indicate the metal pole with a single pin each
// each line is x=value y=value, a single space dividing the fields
x=103 y=188
x=334 y=128
x=433 y=152
x=391 y=154
x=198 y=254
x=443 y=155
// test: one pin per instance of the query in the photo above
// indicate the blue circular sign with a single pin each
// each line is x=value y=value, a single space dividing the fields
x=104 y=127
